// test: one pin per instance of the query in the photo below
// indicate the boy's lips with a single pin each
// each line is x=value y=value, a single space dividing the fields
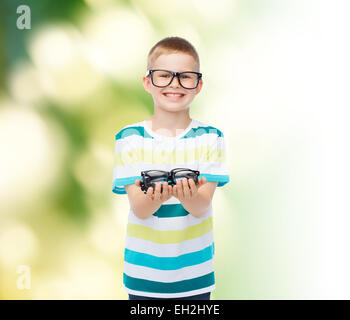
x=173 y=96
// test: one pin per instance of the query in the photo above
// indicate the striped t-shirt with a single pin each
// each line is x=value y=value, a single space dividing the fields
x=169 y=254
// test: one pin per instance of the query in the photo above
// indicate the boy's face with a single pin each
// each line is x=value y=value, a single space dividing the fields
x=176 y=62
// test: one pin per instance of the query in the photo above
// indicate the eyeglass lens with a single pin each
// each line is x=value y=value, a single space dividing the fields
x=184 y=174
x=158 y=175
x=162 y=78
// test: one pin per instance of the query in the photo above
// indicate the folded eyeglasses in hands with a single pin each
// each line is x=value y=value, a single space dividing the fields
x=150 y=177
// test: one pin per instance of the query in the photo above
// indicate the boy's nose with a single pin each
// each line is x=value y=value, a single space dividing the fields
x=175 y=82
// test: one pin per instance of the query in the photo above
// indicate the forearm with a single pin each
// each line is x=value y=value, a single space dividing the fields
x=143 y=207
x=199 y=205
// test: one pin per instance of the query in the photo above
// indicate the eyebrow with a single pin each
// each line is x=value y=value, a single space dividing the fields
x=172 y=70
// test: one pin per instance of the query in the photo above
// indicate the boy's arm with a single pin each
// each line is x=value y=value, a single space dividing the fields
x=199 y=205
x=142 y=204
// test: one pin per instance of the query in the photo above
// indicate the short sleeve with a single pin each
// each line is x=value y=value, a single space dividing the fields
x=213 y=165
x=127 y=162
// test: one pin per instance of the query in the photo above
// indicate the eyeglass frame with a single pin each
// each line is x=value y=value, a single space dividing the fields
x=174 y=74
x=169 y=175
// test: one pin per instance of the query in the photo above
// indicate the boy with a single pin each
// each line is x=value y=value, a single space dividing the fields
x=169 y=245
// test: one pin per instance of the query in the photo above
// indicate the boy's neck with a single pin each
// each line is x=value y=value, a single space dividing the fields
x=169 y=124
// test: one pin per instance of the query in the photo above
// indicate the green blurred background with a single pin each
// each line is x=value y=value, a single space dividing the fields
x=72 y=81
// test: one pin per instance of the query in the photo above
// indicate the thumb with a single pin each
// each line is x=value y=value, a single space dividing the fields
x=202 y=181
x=137 y=182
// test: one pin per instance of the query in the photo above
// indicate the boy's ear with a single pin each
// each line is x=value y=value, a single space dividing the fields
x=146 y=84
x=199 y=88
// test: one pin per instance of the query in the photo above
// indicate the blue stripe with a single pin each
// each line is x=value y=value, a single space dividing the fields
x=169 y=263
x=169 y=287
x=118 y=190
x=122 y=182
x=171 y=211
x=140 y=131
x=196 y=132
x=221 y=179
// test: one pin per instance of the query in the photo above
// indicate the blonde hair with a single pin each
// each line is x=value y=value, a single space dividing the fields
x=172 y=45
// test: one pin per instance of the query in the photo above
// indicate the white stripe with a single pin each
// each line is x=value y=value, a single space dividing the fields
x=185 y=273
x=215 y=168
x=207 y=139
x=172 y=200
x=169 y=295
x=167 y=224
x=135 y=169
x=169 y=249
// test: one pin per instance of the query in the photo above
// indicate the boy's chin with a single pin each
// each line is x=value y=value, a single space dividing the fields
x=173 y=105
x=174 y=108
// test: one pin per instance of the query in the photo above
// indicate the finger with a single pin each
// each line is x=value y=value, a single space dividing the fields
x=193 y=187
x=192 y=184
x=137 y=182
x=170 y=191
x=157 y=192
x=186 y=189
x=150 y=193
x=200 y=182
x=165 y=191
x=179 y=189
x=175 y=191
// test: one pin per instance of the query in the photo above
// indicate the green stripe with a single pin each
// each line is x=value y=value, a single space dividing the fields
x=140 y=131
x=172 y=236
x=202 y=153
x=171 y=211
x=169 y=287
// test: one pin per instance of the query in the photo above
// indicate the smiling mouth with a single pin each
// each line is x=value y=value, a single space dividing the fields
x=174 y=96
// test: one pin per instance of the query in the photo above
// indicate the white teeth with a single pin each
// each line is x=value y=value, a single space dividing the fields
x=173 y=94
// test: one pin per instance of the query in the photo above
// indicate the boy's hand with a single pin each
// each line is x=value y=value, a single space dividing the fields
x=186 y=189
x=157 y=195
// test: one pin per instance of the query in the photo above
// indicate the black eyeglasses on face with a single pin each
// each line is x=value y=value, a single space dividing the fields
x=162 y=78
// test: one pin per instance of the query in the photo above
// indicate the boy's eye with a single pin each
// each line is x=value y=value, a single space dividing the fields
x=165 y=75
x=184 y=77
